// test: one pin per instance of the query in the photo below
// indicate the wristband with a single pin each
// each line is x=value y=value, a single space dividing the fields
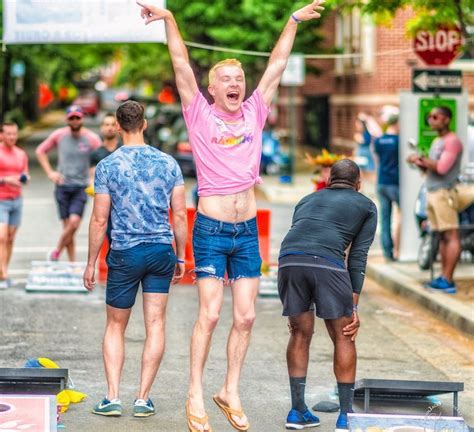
x=296 y=20
x=180 y=261
x=354 y=308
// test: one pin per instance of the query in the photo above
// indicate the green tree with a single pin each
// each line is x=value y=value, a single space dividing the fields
x=239 y=24
x=428 y=14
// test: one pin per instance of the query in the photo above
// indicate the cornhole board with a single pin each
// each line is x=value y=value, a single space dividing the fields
x=32 y=381
x=429 y=422
x=383 y=389
x=56 y=276
x=28 y=413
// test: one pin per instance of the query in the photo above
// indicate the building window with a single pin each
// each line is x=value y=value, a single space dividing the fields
x=355 y=34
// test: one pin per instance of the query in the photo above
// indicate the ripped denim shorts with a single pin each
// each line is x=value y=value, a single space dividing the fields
x=223 y=246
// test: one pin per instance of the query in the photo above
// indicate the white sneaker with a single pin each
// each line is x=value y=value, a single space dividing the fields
x=3 y=284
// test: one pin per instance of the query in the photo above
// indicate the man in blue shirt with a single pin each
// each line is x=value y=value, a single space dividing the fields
x=137 y=184
x=388 y=190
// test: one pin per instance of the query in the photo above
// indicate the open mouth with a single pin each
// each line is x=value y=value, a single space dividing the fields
x=233 y=96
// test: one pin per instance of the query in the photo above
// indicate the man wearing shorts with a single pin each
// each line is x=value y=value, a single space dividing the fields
x=13 y=173
x=444 y=200
x=226 y=139
x=313 y=279
x=137 y=184
x=74 y=144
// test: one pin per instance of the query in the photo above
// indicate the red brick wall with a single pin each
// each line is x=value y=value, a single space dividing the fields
x=368 y=91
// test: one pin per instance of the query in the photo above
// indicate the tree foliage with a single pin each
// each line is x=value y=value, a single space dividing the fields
x=240 y=24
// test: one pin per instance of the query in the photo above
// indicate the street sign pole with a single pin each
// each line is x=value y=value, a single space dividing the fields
x=294 y=75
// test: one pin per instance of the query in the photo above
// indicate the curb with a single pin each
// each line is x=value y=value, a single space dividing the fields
x=445 y=307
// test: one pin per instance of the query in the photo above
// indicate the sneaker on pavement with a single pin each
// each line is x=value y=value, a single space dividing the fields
x=342 y=424
x=443 y=285
x=108 y=407
x=3 y=284
x=53 y=255
x=297 y=420
x=143 y=408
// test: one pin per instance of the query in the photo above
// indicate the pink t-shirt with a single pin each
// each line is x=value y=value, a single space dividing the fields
x=226 y=147
x=13 y=162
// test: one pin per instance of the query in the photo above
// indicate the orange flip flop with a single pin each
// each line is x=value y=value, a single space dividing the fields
x=200 y=420
x=229 y=412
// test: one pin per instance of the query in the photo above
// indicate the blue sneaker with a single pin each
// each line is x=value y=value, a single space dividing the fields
x=108 y=407
x=143 y=408
x=341 y=423
x=443 y=285
x=297 y=420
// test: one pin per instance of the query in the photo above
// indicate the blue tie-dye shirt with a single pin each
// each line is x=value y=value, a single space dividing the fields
x=139 y=180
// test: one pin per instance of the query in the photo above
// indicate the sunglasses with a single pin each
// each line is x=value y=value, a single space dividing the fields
x=434 y=116
x=74 y=118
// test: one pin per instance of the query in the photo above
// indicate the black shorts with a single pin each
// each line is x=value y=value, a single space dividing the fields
x=308 y=282
x=71 y=200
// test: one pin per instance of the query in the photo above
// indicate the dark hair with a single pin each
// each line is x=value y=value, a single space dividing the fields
x=446 y=111
x=345 y=171
x=130 y=116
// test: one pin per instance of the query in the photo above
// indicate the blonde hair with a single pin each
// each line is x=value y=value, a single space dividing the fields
x=226 y=62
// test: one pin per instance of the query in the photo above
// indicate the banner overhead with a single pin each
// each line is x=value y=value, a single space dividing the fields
x=78 y=21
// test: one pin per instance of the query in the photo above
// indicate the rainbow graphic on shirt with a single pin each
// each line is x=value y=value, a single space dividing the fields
x=232 y=141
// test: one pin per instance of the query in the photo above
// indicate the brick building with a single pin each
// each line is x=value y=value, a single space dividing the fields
x=329 y=102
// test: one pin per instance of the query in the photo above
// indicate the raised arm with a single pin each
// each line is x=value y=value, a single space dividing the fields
x=279 y=57
x=185 y=79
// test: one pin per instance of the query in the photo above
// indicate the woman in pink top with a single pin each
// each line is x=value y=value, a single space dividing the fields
x=226 y=138
x=13 y=173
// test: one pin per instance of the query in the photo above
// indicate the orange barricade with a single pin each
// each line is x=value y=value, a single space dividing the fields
x=103 y=270
x=263 y=222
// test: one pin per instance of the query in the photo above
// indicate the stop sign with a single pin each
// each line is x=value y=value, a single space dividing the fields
x=439 y=48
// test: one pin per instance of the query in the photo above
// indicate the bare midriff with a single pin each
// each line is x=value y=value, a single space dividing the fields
x=231 y=208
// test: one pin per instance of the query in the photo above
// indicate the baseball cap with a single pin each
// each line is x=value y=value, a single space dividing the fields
x=74 y=111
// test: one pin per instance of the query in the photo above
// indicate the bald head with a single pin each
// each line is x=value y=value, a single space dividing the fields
x=345 y=172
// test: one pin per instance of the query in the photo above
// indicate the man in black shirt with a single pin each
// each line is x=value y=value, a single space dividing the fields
x=110 y=137
x=313 y=278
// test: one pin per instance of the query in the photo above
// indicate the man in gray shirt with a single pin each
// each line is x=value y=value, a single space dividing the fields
x=74 y=144
x=313 y=278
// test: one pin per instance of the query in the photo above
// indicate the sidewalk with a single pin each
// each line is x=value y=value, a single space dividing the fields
x=402 y=278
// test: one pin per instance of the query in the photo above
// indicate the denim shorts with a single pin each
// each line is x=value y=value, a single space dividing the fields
x=10 y=211
x=152 y=264
x=223 y=246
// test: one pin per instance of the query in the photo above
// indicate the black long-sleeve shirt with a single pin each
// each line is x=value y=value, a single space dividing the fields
x=325 y=223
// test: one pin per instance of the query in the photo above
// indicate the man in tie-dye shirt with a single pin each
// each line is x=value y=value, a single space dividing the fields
x=226 y=139
x=137 y=184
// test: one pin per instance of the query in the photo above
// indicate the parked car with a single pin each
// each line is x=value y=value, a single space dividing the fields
x=89 y=102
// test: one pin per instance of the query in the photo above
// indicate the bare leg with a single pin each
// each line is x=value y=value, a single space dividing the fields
x=3 y=251
x=297 y=353
x=154 y=309
x=451 y=252
x=70 y=226
x=345 y=355
x=244 y=294
x=114 y=348
x=211 y=295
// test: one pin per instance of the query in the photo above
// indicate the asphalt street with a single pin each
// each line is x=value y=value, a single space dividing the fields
x=398 y=340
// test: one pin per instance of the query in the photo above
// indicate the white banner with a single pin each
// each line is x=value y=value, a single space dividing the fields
x=77 y=21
